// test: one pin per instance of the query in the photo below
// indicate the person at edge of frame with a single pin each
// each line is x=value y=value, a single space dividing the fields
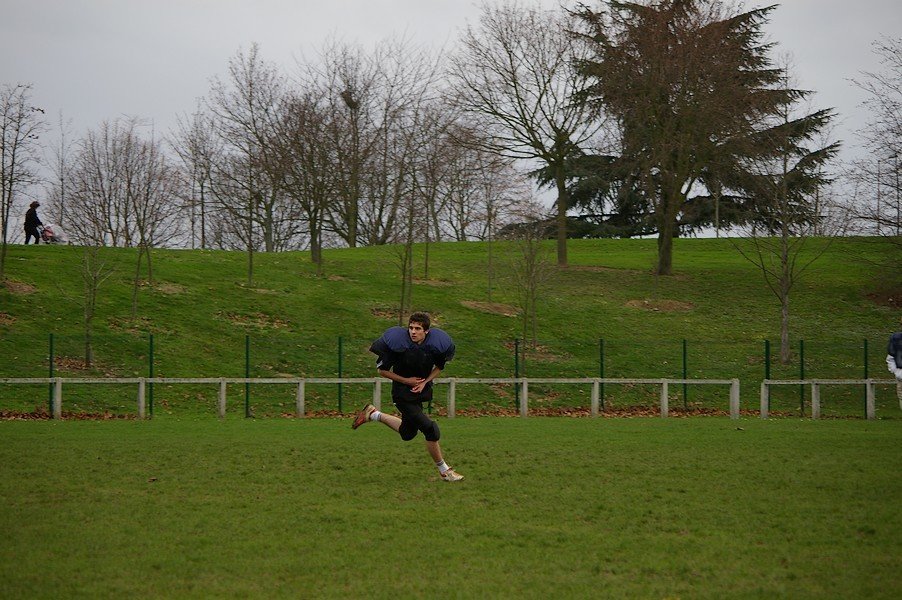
x=412 y=358
x=894 y=360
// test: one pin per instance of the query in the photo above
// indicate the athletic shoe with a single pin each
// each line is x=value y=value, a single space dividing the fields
x=363 y=416
x=451 y=475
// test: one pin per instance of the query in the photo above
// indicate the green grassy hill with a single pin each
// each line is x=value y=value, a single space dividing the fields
x=201 y=312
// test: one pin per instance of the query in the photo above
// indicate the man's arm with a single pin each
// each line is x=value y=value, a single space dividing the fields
x=891 y=365
x=422 y=382
x=411 y=381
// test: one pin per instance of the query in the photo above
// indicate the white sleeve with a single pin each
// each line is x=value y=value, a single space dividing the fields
x=891 y=365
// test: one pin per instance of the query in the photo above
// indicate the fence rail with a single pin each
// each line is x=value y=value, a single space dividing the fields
x=452 y=383
x=869 y=410
x=301 y=382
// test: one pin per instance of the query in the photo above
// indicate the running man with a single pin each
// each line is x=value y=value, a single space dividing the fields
x=412 y=358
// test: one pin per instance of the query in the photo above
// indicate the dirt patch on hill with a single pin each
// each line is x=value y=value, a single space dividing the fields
x=661 y=305
x=382 y=312
x=432 y=282
x=70 y=364
x=600 y=269
x=888 y=298
x=17 y=287
x=256 y=320
x=170 y=289
x=537 y=352
x=129 y=325
x=494 y=308
x=6 y=319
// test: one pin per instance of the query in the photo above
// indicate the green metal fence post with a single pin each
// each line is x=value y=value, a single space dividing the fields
x=340 y=343
x=685 y=376
x=50 y=385
x=247 y=374
x=601 y=369
x=802 y=377
x=150 y=373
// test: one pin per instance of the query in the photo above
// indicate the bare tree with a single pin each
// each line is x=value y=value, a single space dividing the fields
x=309 y=180
x=21 y=125
x=197 y=146
x=61 y=167
x=784 y=176
x=122 y=188
x=156 y=187
x=515 y=76
x=94 y=271
x=99 y=203
x=481 y=193
x=376 y=100
x=247 y=181
x=530 y=267
x=877 y=199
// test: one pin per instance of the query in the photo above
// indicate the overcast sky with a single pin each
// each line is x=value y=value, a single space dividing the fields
x=96 y=60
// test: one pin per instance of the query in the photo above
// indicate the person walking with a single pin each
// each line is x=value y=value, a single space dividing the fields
x=412 y=358
x=894 y=360
x=32 y=223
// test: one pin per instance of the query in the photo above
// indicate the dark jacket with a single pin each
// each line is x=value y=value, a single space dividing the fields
x=31 y=219
x=894 y=348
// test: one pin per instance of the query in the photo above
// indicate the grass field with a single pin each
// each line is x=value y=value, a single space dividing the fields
x=550 y=507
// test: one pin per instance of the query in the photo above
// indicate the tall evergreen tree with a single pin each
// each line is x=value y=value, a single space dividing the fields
x=685 y=79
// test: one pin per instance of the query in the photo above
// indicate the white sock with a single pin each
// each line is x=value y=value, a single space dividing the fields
x=374 y=416
x=442 y=466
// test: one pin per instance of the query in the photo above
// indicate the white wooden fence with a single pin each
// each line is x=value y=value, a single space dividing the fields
x=870 y=409
x=453 y=382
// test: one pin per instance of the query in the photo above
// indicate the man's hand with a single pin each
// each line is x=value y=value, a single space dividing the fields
x=417 y=384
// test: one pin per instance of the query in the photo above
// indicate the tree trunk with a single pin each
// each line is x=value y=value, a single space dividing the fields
x=137 y=282
x=563 y=202
x=665 y=248
x=785 y=286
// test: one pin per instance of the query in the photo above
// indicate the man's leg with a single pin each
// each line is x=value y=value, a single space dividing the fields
x=435 y=451
x=390 y=421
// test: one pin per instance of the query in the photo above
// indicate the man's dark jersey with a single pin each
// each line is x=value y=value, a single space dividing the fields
x=894 y=348
x=396 y=352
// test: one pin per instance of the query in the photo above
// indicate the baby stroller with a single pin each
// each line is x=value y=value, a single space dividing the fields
x=53 y=234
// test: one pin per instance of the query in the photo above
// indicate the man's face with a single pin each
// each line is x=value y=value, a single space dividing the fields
x=416 y=332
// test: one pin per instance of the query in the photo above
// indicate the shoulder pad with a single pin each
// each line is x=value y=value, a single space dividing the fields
x=438 y=340
x=397 y=339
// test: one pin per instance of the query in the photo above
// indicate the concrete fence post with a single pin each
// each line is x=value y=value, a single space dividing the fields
x=815 y=400
x=734 y=399
x=665 y=409
x=869 y=401
x=596 y=385
x=524 y=403
x=452 y=398
x=377 y=394
x=141 y=384
x=58 y=398
x=764 y=399
x=222 y=398
x=299 y=401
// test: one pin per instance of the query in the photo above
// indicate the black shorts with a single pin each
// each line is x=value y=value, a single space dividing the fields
x=413 y=419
